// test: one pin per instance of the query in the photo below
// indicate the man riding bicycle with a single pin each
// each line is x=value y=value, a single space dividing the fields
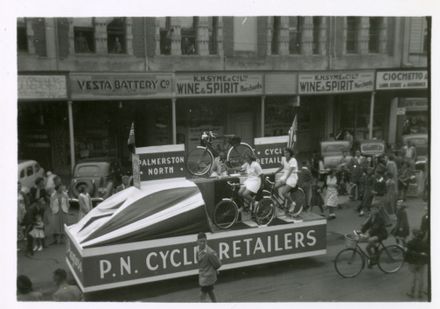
x=376 y=231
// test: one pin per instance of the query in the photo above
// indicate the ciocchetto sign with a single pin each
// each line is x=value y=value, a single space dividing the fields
x=402 y=79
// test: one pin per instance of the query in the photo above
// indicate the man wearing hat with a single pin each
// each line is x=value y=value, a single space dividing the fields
x=209 y=264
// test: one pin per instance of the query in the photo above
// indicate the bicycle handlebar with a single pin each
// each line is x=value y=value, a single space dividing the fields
x=233 y=184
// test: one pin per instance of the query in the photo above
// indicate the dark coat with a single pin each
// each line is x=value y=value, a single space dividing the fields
x=417 y=252
x=375 y=224
x=401 y=229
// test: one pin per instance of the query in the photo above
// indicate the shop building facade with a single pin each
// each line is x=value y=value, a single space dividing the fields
x=177 y=76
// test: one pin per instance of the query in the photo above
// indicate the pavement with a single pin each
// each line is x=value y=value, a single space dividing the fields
x=41 y=266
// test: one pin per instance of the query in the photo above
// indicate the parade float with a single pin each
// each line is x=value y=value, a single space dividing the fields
x=147 y=232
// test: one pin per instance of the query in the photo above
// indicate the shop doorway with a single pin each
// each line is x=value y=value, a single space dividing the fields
x=242 y=124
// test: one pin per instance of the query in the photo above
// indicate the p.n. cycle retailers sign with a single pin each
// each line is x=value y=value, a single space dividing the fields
x=269 y=151
x=160 y=162
x=335 y=82
x=134 y=263
x=120 y=85
x=218 y=84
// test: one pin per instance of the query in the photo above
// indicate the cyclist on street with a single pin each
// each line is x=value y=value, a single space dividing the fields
x=376 y=231
x=289 y=179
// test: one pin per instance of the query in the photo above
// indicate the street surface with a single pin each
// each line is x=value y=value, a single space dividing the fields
x=308 y=279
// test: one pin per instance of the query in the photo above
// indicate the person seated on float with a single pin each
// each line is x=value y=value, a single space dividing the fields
x=220 y=167
x=289 y=178
x=252 y=182
x=374 y=229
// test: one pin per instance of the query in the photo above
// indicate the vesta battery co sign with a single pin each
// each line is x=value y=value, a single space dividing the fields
x=121 y=265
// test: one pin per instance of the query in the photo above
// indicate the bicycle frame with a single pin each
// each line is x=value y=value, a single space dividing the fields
x=274 y=194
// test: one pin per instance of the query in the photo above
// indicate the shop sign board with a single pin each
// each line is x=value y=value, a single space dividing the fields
x=120 y=85
x=42 y=87
x=161 y=162
x=148 y=261
x=218 y=84
x=397 y=79
x=280 y=83
x=269 y=151
x=335 y=82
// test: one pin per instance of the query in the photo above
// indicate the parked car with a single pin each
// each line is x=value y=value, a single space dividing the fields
x=28 y=172
x=100 y=175
x=332 y=152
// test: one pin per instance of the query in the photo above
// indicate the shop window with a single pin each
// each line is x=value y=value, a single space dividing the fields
x=373 y=34
x=295 y=29
x=279 y=116
x=275 y=35
x=84 y=35
x=352 y=34
x=165 y=35
x=212 y=32
x=116 y=36
x=22 y=42
x=188 y=35
x=316 y=31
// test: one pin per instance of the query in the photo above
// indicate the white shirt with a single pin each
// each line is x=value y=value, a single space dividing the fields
x=253 y=170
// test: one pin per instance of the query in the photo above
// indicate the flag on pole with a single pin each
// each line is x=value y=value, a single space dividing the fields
x=292 y=134
x=131 y=143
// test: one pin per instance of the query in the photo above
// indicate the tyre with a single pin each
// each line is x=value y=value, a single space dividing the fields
x=225 y=214
x=391 y=258
x=265 y=211
x=349 y=263
x=299 y=197
x=236 y=155
x=199 y=161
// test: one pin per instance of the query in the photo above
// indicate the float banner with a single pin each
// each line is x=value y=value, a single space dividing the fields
x=113 y=266
x=42 y=87
x=402 y=80
x=160 y=162
x=335 y=82
x=104 y=86
x=219 y=84
x=269 y=151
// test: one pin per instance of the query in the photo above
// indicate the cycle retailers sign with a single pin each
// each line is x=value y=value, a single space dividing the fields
x=134 y=263
x=335 y=82
x=270 y=150
x=160 y=162
x=402 y=80
x=219 y=84
x=104 y=86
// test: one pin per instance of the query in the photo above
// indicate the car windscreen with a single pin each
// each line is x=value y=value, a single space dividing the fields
x=87 y=171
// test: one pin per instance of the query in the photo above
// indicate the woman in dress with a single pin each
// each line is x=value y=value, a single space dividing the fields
x=85 y=202
x=59 y=205
x=253 y=181
x=331 y=195
x=289 y=179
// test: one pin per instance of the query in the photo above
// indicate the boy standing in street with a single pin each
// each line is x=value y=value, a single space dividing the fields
x=209 y=264
x=417 y=257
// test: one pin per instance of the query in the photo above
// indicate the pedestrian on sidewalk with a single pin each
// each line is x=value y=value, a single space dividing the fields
x=85 y=202
x=37 y=232
x=59 y=205
x=404 y=179
x=417 y=257
x=331 y=194
x=401 y=230
x=209 y=264
x=25 y=291
x=65 y=291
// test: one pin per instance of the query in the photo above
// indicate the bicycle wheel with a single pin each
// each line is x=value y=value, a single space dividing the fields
x=236 y=155
x=225 y=214
x=299 y=197
x=349 y=263
x=199 y=161
x=391 y=258
x=264 y=211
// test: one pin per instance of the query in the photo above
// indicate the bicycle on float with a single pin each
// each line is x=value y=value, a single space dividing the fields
x=272 y=198
x=349 y=262
x=200 y=160
x=226 y=212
